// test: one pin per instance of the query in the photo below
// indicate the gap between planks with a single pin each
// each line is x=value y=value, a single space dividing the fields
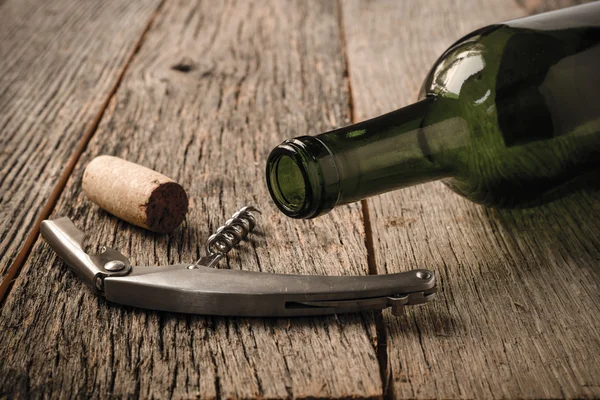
x=14 y=269
x=380 y=329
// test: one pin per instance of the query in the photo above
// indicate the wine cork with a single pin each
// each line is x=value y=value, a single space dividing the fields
x=136 y=194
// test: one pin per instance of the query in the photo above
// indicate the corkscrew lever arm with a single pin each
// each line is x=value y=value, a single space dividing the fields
x=197 y=289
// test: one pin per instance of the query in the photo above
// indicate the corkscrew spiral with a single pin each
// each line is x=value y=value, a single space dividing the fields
x=234 y=231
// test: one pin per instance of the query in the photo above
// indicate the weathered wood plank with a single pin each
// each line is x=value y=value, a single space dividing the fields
x=214 y=87
x=59 y=62
x=538 y=6
x=518 y=313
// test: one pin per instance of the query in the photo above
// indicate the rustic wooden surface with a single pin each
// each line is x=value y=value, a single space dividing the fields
x=518 y=314
x=59 y=62
x=538 y=6
x=212 y=89
x=258 y=73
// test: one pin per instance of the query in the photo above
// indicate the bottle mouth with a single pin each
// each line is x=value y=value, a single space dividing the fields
x=297 y=179
x=290 y=184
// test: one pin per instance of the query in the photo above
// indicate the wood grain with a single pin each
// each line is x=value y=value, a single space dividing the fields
x=538 y=6
x=59 y=61
x=518 y=313
x=214 y=87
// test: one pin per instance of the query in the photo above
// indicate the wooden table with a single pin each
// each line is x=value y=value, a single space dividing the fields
x=201 y=91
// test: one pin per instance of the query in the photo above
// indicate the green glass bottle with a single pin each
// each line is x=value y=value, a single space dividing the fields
x=508 y=116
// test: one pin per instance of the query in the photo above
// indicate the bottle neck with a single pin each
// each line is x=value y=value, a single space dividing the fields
x=308 y=176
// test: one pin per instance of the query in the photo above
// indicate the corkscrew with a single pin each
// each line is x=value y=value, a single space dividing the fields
x=199 y=289
x=228 y=236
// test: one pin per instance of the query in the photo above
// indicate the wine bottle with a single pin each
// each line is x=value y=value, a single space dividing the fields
x=508 y=116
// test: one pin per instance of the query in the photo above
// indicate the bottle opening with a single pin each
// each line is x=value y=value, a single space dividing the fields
x=289 y=186
x=302 y=178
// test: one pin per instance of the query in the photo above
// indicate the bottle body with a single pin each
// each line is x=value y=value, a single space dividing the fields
x=527 y=91
x=506 y=117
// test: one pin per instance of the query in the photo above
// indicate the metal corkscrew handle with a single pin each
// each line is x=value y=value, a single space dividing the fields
x=198 y=289
x=228 y=236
